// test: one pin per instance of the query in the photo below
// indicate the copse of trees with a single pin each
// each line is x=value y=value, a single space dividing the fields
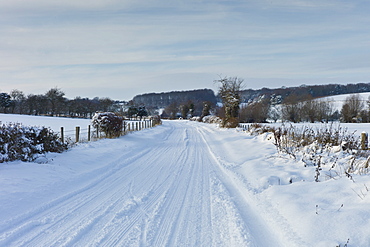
x=353 y=110
x=185 y=110
x=308 y=110
x=256 y=112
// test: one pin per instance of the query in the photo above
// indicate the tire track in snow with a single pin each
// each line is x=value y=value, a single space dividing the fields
x=255 y=229
x=140 y=214
x=31 y=226
x=54 y=214
x=249 y=192
x=172 y=191
x=128 y=218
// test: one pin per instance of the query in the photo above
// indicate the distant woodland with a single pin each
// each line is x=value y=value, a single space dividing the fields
x=315 y=91
x=260 y=104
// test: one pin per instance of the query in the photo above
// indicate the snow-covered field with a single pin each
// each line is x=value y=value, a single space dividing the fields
x=338 y=100
x=179 y=184
x=54 y=123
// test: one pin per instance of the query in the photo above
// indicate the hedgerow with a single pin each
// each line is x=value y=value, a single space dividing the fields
x=25 y=143
x=332 y=150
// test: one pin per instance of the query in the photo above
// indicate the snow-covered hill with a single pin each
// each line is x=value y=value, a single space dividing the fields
x=339 y=100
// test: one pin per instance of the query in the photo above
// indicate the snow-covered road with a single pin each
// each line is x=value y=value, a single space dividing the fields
x=180 y=184
x=168 y=189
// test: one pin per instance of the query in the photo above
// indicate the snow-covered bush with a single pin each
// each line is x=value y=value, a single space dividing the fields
x=156 y=120
x=212 y=119
x=197 y=119
x=108 y=122
x=291 y=137
x=257 y=128
x=25 y=143
x=332 y=150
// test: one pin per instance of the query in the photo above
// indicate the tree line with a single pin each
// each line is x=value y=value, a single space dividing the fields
x=314 y=91
x=295 y=107
x=54 y=103
x=162 y=100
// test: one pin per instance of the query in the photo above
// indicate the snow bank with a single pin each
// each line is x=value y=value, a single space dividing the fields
x=328 y=213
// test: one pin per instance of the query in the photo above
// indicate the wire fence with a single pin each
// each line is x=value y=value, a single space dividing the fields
x=91 y=134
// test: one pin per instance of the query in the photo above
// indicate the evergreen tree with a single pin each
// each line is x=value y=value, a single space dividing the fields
x=5 y=101
x=142 y=112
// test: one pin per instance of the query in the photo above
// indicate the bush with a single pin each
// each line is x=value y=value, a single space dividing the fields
x=212 y=119
x=156 y=120
x=197 y=119
x=108 y=122
x=24 y=143
x=230 y=122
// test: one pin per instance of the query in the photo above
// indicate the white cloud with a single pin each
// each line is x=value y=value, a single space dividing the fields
x=74 y=44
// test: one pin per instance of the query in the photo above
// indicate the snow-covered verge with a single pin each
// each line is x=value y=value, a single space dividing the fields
x=333 y=212
x=180 y=184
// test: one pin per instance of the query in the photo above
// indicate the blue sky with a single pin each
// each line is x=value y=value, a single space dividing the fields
x=120 y=48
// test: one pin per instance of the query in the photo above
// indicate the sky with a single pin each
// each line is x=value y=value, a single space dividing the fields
x=121 y=48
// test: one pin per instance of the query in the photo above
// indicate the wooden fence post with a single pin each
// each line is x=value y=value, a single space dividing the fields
x=77 y=133
x=88 y=133
x=364 y=141
x=62 y=134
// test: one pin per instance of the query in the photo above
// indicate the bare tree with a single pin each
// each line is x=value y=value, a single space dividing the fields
x=56 y=99
x=106 y=104
x=325 y=110
x=172 y=110
x=184 y=109
x=18 y=100
x=309 y=110
x=291 y=109
x=35 y=104
x=351 y=109
x=256 y=112
x=229 y=92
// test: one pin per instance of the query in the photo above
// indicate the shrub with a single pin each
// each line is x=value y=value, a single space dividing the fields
x=24 y=143
x=332 y=150
x=197 y=119
x=212 y=119
x=230 y=122
x=156 y=120
x=108 y=122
